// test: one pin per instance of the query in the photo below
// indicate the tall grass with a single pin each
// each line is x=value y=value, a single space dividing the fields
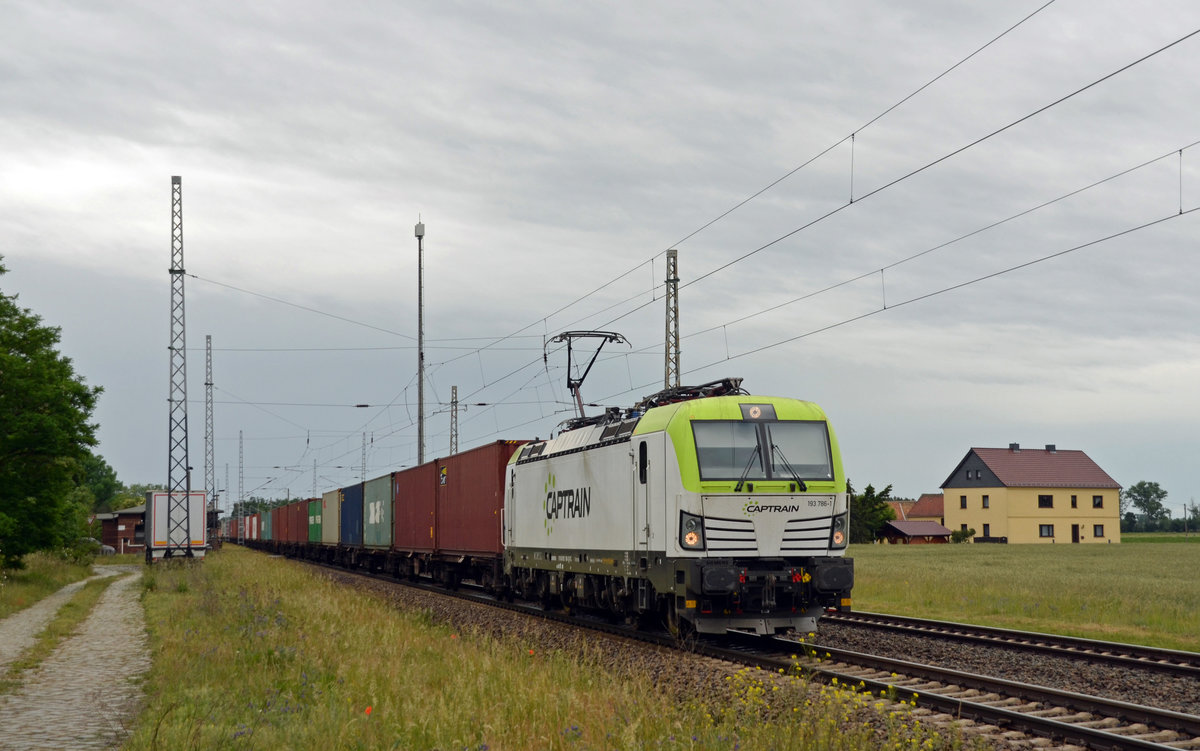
x=1143 y=594
x=43 y=575
x=255 y=652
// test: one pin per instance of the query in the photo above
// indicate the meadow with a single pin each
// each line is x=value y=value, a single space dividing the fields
x=1135 y=592
x=258 y=652
x=43 y=575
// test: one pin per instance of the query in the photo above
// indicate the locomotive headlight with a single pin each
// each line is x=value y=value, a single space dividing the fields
x=691 y=531
x=838 y=530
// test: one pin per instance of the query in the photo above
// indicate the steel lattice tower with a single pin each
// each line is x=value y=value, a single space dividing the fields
x=179 y=533
x=453 y=420
x=241 y=507
x=671 y=370
x=210 y=466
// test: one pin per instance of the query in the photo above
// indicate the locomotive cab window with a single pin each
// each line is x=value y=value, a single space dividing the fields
x=734 y=450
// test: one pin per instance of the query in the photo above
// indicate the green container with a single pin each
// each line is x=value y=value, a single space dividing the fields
x=314 y=520
x=377 y=512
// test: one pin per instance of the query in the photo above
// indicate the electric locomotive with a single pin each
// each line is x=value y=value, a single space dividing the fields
x=710 y=507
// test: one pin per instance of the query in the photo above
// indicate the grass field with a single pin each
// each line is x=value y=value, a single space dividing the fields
x=1138 y=593
x=43 y=575
x=1138 y=537
x=258 y=652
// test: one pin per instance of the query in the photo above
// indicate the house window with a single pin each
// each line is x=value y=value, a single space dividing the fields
x=1097 y=530
x=964 y=528
x=986 y=504
x=987 y=530
x=1097 y=501
x=1046 y=501
x=1074 y=502
x=1046 y=530
x=962 y=501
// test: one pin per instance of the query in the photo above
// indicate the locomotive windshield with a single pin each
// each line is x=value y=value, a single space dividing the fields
x=734 y=450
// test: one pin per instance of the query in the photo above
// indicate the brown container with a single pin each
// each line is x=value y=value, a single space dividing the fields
x=298 y=521
x=278 y=525
x=414 y=504
x=470 y=498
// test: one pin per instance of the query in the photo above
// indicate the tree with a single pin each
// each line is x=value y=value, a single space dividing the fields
x=134 y=495
x=45 y=433
x=869 y=511
x=101 y=480
x=1146 y=497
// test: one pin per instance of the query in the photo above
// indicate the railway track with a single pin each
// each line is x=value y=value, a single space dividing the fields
x=1130 y=656
x=1008 y=706
x=1066 y=717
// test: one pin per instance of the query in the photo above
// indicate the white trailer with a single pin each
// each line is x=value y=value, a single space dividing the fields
x=182 y=536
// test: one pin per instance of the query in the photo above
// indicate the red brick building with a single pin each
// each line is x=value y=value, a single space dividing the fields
x=124 y=530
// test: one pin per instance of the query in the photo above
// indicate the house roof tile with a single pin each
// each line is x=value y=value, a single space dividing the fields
x=929 y=504
x=1044 y=468
x=920 y=529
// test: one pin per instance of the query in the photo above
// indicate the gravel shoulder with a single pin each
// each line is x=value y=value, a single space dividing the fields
x=86 y=694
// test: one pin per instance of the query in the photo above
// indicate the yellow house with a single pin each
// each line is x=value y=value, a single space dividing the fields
x=1017 y=495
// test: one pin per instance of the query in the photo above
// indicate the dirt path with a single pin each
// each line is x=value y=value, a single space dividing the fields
x=86 y=694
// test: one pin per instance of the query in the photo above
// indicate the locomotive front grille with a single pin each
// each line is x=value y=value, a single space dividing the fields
x=806 y=536
x=739 y=537
x=730 y=535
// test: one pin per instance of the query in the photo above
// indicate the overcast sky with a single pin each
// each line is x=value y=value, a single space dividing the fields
x=554 y=151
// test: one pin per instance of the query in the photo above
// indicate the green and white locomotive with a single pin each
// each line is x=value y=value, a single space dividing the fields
x=707 y=506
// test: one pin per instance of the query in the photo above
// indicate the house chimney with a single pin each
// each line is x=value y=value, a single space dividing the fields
x=1014 y=447
x=1051 y=448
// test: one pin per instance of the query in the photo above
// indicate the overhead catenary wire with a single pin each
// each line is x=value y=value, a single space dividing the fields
x=488 y=384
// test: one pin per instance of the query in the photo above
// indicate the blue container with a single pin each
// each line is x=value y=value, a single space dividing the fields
x=352 y=515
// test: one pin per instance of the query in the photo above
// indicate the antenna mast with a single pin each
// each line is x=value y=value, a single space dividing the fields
x=419 y=231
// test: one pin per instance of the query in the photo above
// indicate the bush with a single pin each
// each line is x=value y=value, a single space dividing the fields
x=961 y=535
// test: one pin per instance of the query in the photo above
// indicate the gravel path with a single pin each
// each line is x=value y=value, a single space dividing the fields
x=19 y=630
x=87 y=692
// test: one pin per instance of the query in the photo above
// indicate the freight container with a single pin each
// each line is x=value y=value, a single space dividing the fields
x=278 y=524
x=352 y=515
x=377 y=512
x=252 y=533
x=470 y=499
x=265 y=532
x=330 y=516
x=297 y=521
x=314 y=519
x=414 y=508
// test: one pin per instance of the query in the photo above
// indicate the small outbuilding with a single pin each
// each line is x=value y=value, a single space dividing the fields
x=124 y=530
x=915 y=533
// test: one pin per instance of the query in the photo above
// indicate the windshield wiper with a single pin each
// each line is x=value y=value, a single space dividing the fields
x=787 y=465
x=745 y=472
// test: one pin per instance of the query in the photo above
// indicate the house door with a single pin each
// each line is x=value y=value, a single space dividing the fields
x=1074 y=533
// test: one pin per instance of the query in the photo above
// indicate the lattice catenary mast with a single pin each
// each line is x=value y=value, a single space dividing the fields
x=671 y=371
x=179 y=533
x=453 y=420
x=210 y=466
